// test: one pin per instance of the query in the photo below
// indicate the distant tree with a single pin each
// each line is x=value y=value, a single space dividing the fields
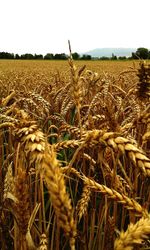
x=122 y=58
x=27 y=56
x=57 y=56
x=6 y=55
x=113 y=57
x=17 y=56
x=86 y=57
x=134 y=56
x=49 y=56
x=61 y=56
x=12 y=56
x=142 y=53
x=104 y=58
x=75 y=56
x=23 y=56
x=39 y=57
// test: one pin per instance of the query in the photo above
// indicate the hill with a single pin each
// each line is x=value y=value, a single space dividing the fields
x=99 y=52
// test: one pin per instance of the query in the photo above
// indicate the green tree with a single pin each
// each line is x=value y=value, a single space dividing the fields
x=113 y=57
x=17 y=56
x=26 y=56
x=122 y=58
x=49 y=56
x=134 y=56
x=142 y=53
x=104 y=58
x=39 y=57
x=6 y=55
x=61 y=56
x=75 y=56
x=86 y=57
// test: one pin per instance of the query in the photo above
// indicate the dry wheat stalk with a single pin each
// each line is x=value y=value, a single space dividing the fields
x=6 y=100
x=82 y=204
x=109 y=233
x=6 y=118
x=67 y=170
x=129 y=203
x=135 y=234
x=30 y=106
x=93 y=102
x=32 y=140
x=118 y=143
x=66 y=144
x=60 y=199
x=9 y=185
x=61 y=92
x=68 y=107
x=143 y=87
x=41 y=101
x=95 y=118
x=43 y=242
x=36 y=151
x=77 y=86
x=75 y=131
x=65 y=102
x=21 y=208
x=112 y=179
x=6 y=125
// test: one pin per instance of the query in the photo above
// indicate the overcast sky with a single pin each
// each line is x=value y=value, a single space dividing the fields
x=42 y=26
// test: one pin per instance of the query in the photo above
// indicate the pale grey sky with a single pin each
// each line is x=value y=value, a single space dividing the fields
x=42 y=26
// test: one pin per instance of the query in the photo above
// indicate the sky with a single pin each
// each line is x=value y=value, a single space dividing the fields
x=45 y=26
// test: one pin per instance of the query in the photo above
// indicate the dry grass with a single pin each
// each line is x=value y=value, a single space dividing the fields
x=74 y=155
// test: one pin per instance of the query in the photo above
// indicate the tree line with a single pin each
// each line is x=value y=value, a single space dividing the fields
x=141 y=53
x=48 y=56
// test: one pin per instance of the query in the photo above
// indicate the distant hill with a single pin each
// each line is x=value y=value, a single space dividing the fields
x=109 y=51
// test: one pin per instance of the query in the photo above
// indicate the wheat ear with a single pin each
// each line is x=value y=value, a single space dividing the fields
x=135 y=234
x=60 y=199
x=43 y=242
x=129 y=203
x=39 y=153
x=83 y=202
x=21 y=208
x=118 y=144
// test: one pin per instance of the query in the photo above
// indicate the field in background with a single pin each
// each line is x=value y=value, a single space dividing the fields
x=38 y=72
x=49 y=66
x=74 y=155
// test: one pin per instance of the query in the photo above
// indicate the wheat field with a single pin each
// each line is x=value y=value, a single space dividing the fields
x=74 y=155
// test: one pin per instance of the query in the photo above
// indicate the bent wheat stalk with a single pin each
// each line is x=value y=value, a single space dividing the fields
x=129 y=203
